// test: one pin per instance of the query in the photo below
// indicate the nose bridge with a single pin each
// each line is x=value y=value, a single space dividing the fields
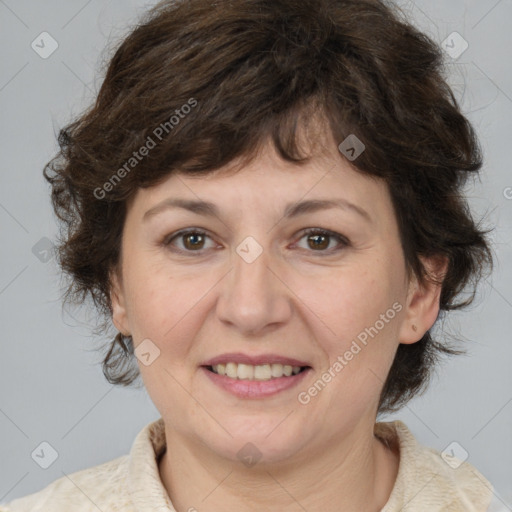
x=252 y=297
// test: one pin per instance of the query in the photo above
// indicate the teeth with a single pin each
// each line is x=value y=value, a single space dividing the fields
x=258 y=372
x=277 y=370
x=231 y=369
x=262 y=372
x=245 y=371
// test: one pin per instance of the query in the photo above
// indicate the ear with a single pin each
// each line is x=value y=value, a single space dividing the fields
x=422 y=304
x=117 y=298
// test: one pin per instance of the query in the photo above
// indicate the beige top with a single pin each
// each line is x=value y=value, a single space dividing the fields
x=131 y=483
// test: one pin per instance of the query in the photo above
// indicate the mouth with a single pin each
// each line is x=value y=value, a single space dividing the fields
x=260 y=372
x=255 y=381
x=251 y=376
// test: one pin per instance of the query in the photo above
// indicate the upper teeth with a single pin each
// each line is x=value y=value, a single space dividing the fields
x=258 y=372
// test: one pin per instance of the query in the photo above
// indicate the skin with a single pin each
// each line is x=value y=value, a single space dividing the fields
x=295 y=300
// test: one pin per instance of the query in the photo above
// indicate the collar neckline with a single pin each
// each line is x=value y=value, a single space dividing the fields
x=422 y=474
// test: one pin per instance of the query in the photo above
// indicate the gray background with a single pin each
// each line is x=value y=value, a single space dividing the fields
x=51 y=387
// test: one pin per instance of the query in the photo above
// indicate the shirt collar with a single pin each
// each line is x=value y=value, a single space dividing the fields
x=144 y=483
x=424 y=481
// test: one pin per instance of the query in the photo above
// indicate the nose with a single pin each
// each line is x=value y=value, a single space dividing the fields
x=254 y=297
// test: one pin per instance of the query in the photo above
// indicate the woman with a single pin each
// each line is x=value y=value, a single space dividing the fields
x=266 y=201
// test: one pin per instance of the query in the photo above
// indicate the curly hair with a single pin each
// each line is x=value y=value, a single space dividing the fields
x=251 y=71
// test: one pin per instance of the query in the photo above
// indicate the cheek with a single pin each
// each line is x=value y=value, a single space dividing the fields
x=169 y=306
x=156 y=301
x=348 y=302
x=356 y=317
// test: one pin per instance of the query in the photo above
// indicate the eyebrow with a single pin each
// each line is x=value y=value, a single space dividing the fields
x=291 y=210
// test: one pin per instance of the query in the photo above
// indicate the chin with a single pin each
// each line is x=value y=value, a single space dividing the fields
x=257 y=442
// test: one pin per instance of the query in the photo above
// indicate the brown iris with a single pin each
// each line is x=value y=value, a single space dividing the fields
x=319 y=241
x=195 y=238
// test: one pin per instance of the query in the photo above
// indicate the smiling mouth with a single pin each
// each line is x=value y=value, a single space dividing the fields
x=260 y=372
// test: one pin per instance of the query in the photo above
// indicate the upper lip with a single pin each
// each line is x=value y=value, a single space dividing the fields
x=238 y=357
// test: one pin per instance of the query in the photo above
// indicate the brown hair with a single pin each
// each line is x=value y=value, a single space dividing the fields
x=256 y=70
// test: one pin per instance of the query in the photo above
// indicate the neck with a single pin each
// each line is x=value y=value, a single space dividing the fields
x=348 y=475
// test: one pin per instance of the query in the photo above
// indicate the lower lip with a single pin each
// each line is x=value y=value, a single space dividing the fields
x=255 y=388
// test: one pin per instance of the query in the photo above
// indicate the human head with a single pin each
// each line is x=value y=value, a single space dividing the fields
x=260 y=71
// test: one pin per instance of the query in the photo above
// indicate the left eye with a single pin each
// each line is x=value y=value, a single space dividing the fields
x=317 y=239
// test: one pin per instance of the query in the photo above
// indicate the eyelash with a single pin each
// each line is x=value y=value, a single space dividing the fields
x=344 y=242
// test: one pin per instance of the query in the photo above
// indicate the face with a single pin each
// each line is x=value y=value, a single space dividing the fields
x=269 y=275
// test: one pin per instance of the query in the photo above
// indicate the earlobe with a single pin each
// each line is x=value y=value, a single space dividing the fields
x=119 y=316
x=423 y=300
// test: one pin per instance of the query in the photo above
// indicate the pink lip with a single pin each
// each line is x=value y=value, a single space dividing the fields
x=253 y=388
x=237 y=357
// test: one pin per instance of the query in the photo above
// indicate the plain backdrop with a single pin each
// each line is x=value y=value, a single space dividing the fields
x=51 y=387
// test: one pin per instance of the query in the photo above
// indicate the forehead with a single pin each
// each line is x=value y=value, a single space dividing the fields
x=267 y=181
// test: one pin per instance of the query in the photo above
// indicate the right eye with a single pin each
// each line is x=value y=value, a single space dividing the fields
x=193 y=240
